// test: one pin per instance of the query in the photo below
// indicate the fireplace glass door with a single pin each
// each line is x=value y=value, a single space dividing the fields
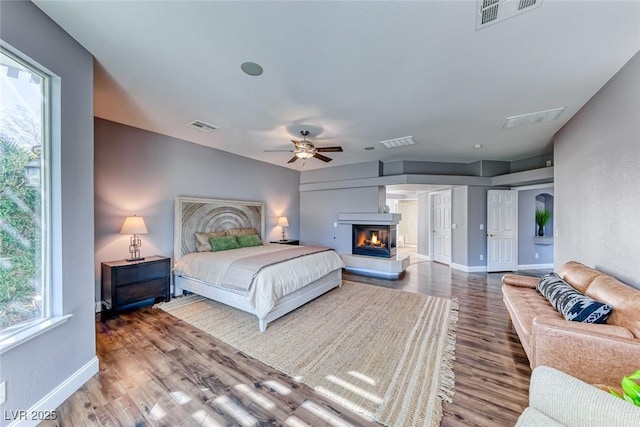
x=374 y=240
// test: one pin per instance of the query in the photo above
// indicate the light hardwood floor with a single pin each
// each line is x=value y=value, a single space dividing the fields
x=159 y=371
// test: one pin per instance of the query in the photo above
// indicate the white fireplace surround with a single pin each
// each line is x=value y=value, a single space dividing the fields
x=388 y=268
x=369 y=218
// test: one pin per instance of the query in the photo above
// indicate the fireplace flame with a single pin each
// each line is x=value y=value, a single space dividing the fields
x=374 y=239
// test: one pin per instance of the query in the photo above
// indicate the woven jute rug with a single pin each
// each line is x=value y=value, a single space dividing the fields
x=383 y=353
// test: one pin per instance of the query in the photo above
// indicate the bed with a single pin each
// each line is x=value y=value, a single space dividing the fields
x=267 y=280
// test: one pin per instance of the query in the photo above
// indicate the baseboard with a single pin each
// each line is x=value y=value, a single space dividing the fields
x=61 y=393
x=535 y=266
x=424 y=257
x=469 y=268
x=98 y=306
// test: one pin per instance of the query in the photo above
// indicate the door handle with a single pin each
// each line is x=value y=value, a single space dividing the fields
x=490 y=235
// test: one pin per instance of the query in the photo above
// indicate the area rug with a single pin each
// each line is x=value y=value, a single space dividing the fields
x=383 y=353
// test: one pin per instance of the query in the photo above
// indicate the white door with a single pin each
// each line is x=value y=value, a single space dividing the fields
x=441 y=222
x=502 y=242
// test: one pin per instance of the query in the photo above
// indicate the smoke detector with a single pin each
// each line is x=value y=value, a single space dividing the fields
x=492 y=11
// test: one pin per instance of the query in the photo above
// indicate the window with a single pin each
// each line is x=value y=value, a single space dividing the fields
x=25 y=195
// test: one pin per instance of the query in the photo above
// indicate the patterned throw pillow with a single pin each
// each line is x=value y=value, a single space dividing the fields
x=572 y=304
x=223 y=243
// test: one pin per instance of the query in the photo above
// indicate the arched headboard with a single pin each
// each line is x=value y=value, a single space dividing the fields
x=200 y=215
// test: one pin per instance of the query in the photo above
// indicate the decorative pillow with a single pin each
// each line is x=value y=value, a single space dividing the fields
x=202 y=240
x=572 y=304
x=246 y=240
x=241 y=231
x=223 y=243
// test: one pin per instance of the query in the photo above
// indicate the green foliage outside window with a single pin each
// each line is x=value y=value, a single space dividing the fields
x=20 y=285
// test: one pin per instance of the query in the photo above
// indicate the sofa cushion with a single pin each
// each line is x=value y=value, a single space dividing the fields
x=624 y=299
x=524 y=305
x=578 y=275
x=572 y=304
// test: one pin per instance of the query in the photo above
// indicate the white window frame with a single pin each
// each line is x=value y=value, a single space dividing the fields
x=51 y=212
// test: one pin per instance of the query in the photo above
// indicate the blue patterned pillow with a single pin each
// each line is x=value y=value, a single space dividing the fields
x=572 y=304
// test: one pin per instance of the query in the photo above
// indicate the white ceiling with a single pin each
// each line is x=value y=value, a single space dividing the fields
x=354 y=73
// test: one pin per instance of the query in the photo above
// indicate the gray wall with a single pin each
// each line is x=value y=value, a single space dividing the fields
x=459 y=216
x=531 y=162
x=319 y=209
x=527 y=229
x=141 y=172
x=35 y=368
x=424 y=228
x=468 y=211
x=596 y=157
x=477 y=214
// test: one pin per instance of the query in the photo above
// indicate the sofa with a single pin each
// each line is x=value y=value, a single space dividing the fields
x=558 y=399
x=594 y=353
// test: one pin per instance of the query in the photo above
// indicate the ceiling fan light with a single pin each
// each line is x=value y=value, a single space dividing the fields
x=301 y=154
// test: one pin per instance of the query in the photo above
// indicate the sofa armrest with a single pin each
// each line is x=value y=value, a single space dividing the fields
x=596 y=354
x=518 y=280
x=571 y=402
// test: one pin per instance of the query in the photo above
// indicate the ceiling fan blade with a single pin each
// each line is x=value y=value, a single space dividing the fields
x=293 y=159
x=336 y=149
x=323 y=158
x=278 y=151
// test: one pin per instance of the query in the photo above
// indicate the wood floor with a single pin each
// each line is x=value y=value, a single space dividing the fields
x=158 y=371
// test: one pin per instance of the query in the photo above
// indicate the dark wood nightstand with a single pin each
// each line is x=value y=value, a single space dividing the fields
x=287 y=242
x=127 y=283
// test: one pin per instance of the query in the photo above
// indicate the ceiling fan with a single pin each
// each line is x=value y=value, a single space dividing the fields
x=305 y=149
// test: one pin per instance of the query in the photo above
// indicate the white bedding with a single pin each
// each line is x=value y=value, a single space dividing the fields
x=271 y=283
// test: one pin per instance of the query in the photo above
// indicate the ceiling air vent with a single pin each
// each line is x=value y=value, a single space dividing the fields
x=492 y=11
x=540 y=116
x=398 y=142
x=202 y=126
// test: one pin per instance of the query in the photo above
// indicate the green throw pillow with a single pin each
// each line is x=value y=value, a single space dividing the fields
x=248 y=240
x=223 y=243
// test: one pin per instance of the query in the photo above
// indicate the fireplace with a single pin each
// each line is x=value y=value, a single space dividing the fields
x=374 y=240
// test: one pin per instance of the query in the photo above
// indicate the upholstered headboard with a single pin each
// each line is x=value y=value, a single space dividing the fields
x=198 y=215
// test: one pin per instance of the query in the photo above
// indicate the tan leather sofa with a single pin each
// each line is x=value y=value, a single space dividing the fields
x=593 y=353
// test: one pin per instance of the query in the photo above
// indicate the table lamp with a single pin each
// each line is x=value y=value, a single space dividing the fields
x=283 y=222
x=134 y=225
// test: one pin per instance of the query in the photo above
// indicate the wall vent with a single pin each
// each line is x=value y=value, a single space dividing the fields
x=492 y=11
x=202 y=126
x=540 y=116
x=398 y=142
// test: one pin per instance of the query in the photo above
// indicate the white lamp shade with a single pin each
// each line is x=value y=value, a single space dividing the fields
x=283 y=221
x=133 y=225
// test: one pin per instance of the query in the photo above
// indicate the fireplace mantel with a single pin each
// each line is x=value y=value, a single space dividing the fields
x=369 y=218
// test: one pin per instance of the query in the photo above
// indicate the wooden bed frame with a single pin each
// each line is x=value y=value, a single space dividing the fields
x=194 y=214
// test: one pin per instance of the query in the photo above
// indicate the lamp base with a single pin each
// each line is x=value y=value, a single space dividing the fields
x=134 y=259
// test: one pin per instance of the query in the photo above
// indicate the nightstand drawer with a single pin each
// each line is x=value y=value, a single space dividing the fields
x=140 y=291
x=126 y=275
x=156 y=270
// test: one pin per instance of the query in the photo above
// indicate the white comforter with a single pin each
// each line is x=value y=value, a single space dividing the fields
x=271 y=283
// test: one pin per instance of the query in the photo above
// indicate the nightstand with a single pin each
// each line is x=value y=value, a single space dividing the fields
x=127 y=283
x=287 y=242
